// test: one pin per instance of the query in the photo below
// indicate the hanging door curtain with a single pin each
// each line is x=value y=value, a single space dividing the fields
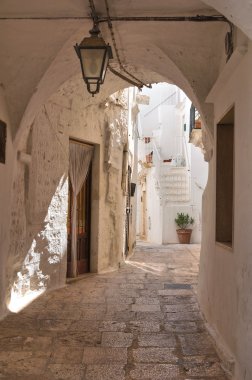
x=80 y=156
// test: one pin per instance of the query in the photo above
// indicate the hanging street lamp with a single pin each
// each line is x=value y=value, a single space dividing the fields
x=94 y=55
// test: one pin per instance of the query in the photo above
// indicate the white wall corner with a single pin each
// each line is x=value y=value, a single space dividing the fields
x=226 y=73
x=24 y=157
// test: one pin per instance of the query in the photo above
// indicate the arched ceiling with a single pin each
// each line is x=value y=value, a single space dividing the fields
x=76 y=8
x=37 y=55
x=238 y=12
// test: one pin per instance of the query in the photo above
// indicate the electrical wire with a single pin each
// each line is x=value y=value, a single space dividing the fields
x=120 y=75
x=134 y=81
x=122 y=67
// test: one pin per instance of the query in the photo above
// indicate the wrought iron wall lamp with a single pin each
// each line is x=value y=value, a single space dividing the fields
x=94 y=55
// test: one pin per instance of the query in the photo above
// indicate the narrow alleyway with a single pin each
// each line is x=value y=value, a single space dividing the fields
x=141 y=323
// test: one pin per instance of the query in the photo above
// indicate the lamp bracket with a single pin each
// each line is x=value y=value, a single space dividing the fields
x=95 y=31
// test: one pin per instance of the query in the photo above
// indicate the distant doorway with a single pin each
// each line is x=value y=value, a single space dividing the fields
x=83 y=226
x=143 y=213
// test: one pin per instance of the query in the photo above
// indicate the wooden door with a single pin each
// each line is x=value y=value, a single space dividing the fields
x=128 y=209
x=83 y=227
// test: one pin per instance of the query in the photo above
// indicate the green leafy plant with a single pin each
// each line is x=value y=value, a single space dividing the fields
x=183 y=221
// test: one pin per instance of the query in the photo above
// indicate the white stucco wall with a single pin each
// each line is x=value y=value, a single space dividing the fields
x=170 y=130
x=169 y=226
x=225 y=283
x=39 y=199
x=132 y=154
x=154 y=212
x=199 y=177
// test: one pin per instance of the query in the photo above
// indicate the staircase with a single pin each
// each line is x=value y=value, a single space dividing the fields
x=172 y=182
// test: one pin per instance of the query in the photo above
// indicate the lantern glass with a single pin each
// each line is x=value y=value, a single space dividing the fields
x=106 y=61
x=92 y=63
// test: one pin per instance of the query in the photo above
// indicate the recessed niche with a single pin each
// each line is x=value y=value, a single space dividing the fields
x=3 y=135
x=225 y=179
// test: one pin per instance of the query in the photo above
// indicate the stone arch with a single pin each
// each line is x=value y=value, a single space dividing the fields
x=234 y=12
x=66 y=66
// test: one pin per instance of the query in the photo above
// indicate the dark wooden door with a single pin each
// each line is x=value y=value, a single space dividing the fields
x=83 y=227
x=128 y=211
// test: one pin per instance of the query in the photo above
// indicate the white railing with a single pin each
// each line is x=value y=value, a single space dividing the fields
x=170 y=100
x=173 y=182
x=156 y=152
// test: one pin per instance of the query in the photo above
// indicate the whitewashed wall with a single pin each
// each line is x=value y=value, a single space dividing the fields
x=199 y=177
x=154 y=213
x=5 y=199
x=38 y=245
x=164 y=119
x=225 y=282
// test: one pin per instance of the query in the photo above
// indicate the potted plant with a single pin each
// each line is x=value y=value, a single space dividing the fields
x=183 y=221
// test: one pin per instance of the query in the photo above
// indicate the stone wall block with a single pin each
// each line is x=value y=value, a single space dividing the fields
x=39 y=216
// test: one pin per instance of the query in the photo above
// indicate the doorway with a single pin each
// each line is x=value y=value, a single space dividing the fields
x=83 y=226
x=128 y=212
x=143 y=215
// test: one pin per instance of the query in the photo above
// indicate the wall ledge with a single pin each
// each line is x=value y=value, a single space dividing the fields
x=24 y=157
x=227 y=71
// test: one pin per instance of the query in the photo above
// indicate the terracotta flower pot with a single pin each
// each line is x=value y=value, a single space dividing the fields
x=184 y=235
x=197 y=124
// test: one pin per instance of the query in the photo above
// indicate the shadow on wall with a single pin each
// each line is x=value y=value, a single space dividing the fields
x=37 y=259
x=41 y=264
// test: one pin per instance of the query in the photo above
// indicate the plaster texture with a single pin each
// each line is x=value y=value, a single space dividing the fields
x=6 y=180
x=37 y=252
x=53 y=61
x=142 y=322
x=240 y=16
x=225 y=274
x=168 y=188
x=37 y=58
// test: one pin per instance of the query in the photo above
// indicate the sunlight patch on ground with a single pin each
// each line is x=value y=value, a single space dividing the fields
x=18 y=302
x=150 y=268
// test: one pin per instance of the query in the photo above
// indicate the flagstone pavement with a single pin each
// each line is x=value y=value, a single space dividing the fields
x=141 y=322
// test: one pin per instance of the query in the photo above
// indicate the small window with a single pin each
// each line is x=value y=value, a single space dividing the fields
x=192 y=117
x=2 y=141
x=225 y=179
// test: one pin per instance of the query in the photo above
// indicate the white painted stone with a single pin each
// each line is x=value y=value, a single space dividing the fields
x=170 y=187
x=37 y=253
x=32 y=72
x=225 y=274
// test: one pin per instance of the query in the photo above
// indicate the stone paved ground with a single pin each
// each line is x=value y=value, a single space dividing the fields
x=140 y=323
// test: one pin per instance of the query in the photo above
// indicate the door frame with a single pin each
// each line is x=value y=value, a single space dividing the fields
x=94 y=206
